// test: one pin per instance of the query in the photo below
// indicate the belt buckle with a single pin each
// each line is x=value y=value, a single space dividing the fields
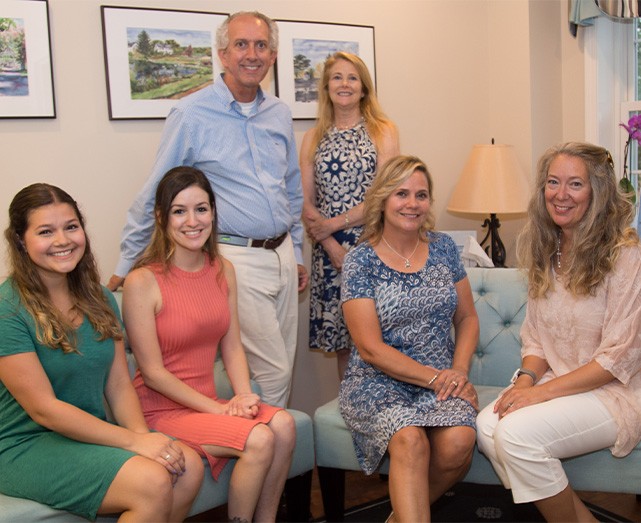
x=273 y=243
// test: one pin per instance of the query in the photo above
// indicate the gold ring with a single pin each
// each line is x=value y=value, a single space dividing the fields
x=167 y=457
x=509 y=405
x=455 y=383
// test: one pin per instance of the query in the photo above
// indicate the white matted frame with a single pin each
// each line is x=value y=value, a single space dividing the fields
x=26 y=74
x=147 y=74
x=302 y=50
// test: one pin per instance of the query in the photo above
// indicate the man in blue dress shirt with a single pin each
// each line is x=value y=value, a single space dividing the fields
x=243 y=140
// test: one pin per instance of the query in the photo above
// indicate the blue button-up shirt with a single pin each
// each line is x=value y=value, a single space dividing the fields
x=250 y=161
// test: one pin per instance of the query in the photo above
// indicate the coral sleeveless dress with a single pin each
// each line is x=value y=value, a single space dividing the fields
x=194 y=317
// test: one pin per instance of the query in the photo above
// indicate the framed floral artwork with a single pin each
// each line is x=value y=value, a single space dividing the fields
x=154 y=57
x=26 y=73
x=303 y=49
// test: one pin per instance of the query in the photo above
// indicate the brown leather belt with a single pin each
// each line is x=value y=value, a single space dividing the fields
x=268 y=243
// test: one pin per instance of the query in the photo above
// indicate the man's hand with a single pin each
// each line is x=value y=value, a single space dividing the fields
x=303 y=278
x=115 y=282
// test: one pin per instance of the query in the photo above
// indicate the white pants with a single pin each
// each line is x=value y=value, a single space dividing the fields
x=526 y=446
x=267 y=283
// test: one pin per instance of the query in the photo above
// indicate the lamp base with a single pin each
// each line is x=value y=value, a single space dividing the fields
x=495 y=250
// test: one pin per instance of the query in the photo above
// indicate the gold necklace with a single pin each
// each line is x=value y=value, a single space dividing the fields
x=407 y=260
x=346 y=127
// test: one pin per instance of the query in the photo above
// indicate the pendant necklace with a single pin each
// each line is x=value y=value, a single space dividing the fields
x=407 y=260
x=558 y=250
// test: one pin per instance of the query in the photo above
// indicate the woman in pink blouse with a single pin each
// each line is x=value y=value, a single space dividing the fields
x=579 y=388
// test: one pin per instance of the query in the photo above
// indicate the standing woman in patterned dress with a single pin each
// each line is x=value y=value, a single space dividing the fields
x=338 y=160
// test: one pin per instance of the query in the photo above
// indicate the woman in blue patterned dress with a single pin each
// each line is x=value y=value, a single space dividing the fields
x=338 y=160
x=406 y=390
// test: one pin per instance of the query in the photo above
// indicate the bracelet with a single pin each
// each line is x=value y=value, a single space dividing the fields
x=347 y=219
x=429 y=383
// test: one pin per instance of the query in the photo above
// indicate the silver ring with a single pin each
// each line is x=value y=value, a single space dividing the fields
x=455 y=383
x=167 y=457
x=510 y=405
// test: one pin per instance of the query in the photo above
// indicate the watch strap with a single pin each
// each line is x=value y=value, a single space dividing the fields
x=528 y=372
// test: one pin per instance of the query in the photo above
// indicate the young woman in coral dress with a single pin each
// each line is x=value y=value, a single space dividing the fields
x=179 y=307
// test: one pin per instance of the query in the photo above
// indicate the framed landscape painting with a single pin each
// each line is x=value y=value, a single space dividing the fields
x=303 y=49
x=154 y=57
x=26 y=75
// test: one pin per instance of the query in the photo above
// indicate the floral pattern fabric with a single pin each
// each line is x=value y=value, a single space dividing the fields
x=345 y=165
x=415 y=312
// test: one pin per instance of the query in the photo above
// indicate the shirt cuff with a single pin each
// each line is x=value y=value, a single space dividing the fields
x=123 y=267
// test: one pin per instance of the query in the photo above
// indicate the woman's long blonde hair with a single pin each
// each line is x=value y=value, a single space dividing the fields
x=598 y=237
x=375 y=120
x=53 y=329
x=393 y=173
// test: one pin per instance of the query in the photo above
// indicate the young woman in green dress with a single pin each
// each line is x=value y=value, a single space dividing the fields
x=61 y=353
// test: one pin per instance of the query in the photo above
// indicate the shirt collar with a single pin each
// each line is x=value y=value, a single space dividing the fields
x=229 y=99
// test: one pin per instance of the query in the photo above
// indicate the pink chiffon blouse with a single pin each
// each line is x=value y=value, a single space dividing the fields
x=569 y=331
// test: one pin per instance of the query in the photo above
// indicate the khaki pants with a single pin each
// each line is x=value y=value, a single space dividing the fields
x=268 y=314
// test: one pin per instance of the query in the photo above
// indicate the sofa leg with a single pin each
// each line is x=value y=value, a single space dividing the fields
x=298 y=491
x=332 y=484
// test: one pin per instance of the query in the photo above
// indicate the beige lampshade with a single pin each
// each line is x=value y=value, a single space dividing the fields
x=492 y=182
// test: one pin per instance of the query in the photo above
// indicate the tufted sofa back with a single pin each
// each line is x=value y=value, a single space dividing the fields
x=500 y=297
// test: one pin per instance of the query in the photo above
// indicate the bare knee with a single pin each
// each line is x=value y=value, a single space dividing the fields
x=283 y=427
x=409 y=445
x=259 y=447
x=142 y=487
x=452 y=448
x=157 y=484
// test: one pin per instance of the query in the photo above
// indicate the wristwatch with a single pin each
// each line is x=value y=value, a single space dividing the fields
x=518 y=372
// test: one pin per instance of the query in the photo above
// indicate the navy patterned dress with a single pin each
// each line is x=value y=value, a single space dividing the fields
x=415 y=311
x=345 y=165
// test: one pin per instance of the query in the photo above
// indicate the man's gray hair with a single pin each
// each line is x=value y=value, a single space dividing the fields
x=222 y=34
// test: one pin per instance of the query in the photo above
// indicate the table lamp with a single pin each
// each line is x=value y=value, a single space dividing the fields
x=492 y=182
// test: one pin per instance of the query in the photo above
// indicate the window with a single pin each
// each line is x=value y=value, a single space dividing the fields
x=613 y=88
x=630 y=107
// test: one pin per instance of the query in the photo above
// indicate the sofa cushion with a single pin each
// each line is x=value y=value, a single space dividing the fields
x=500 y=297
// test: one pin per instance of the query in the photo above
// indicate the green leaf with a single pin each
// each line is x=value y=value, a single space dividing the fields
x=626 y=186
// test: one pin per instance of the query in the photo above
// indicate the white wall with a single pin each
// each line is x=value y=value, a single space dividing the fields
x=451 y=73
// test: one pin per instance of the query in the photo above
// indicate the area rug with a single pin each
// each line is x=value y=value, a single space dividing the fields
x=470 y=502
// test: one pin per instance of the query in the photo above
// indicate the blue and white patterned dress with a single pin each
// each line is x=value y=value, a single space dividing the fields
x=415 y=312
x=344 y=167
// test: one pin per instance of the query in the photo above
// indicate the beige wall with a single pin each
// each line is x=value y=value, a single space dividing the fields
x=450 y=73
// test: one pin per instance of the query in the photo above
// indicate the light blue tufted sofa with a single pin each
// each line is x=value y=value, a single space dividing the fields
x=500 y=297
x=212 y=493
